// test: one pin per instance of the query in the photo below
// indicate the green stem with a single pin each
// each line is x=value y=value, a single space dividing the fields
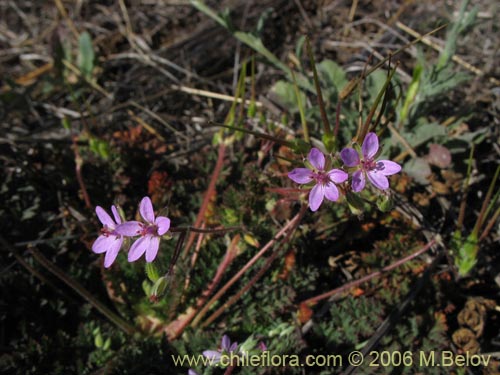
x=324 y=117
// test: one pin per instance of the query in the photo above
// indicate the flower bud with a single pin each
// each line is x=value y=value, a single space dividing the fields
x=159 y=287
x=355 y=203
x=385 y=203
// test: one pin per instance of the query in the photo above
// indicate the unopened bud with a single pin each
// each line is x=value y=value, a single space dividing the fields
x=385 y=203
x=355 y=203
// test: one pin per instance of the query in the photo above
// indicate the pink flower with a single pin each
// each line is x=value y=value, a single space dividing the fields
x=150 y=232
x=110 y=241
x=226 y=347
x=367 y=166
x=325 y=181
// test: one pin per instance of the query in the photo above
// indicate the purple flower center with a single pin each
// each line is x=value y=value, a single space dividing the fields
x=106 y=232
x=368 y=165
x=321 y=177
x=151 y=230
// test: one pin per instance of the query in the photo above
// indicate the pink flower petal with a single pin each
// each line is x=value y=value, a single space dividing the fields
x=118 y=219
x=316 y=197
x=370 y=145
x=378 y=180
x=138 y=248
x=146 y=210
x=102 y=244
x=301 y=175
x=104 y=218
x=152 y=250
x=225 y=342
x=129 y=228
x=317 y=159
x=338 y=176
x=112 y=252
x=331 y=192
x=163 y=224
x=213 y=355
x=358 y=181
x=350 y=157
x=388 y=167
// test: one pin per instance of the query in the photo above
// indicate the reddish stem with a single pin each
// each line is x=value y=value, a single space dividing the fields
x=208 y=195
x=258 y=275
x=246 y=267
x=78 y=170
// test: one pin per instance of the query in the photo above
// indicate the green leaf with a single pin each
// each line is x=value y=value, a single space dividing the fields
x=332 y=75
x=86 y=55
x=285 y=92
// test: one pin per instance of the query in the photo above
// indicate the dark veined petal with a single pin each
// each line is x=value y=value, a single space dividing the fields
x=317 y=159
x=378 y=180
x=113 y=252
x=102 y=244
x=163 y=224
x=331 y=192
x=104 y=218
x=152 y=250
x=138 y=248
x=338 y=176
x=358 y=181
x=388 y=167
x=301 y=175
x=129 y=228
x=118 y=219
x=350 y=157
x=233 y=347
x=370 y=145
x=146 y=210
x=316 y=197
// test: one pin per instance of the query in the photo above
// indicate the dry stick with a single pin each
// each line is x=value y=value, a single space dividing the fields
x=314 y=300
x=63 y=12
x=258 y=275
x=393 y=318
x=245 y=268
x=208 y=195
x=455 y=58
x=77 y=287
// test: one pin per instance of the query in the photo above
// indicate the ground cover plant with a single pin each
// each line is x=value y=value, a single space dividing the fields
x=187 y=182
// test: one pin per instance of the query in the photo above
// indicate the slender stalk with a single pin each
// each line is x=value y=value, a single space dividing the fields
x=245 y=268
x=175 y=328
x=463 y=202
x=349 y=285
x=259 y=274
x=208 y=195
x=324 y=117
x=301 y=108
x=484 y=207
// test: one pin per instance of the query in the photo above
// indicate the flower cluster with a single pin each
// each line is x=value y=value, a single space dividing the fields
x=113 y=232
x=363 y=166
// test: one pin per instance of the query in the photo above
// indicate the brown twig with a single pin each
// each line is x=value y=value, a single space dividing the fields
x=400 y=262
